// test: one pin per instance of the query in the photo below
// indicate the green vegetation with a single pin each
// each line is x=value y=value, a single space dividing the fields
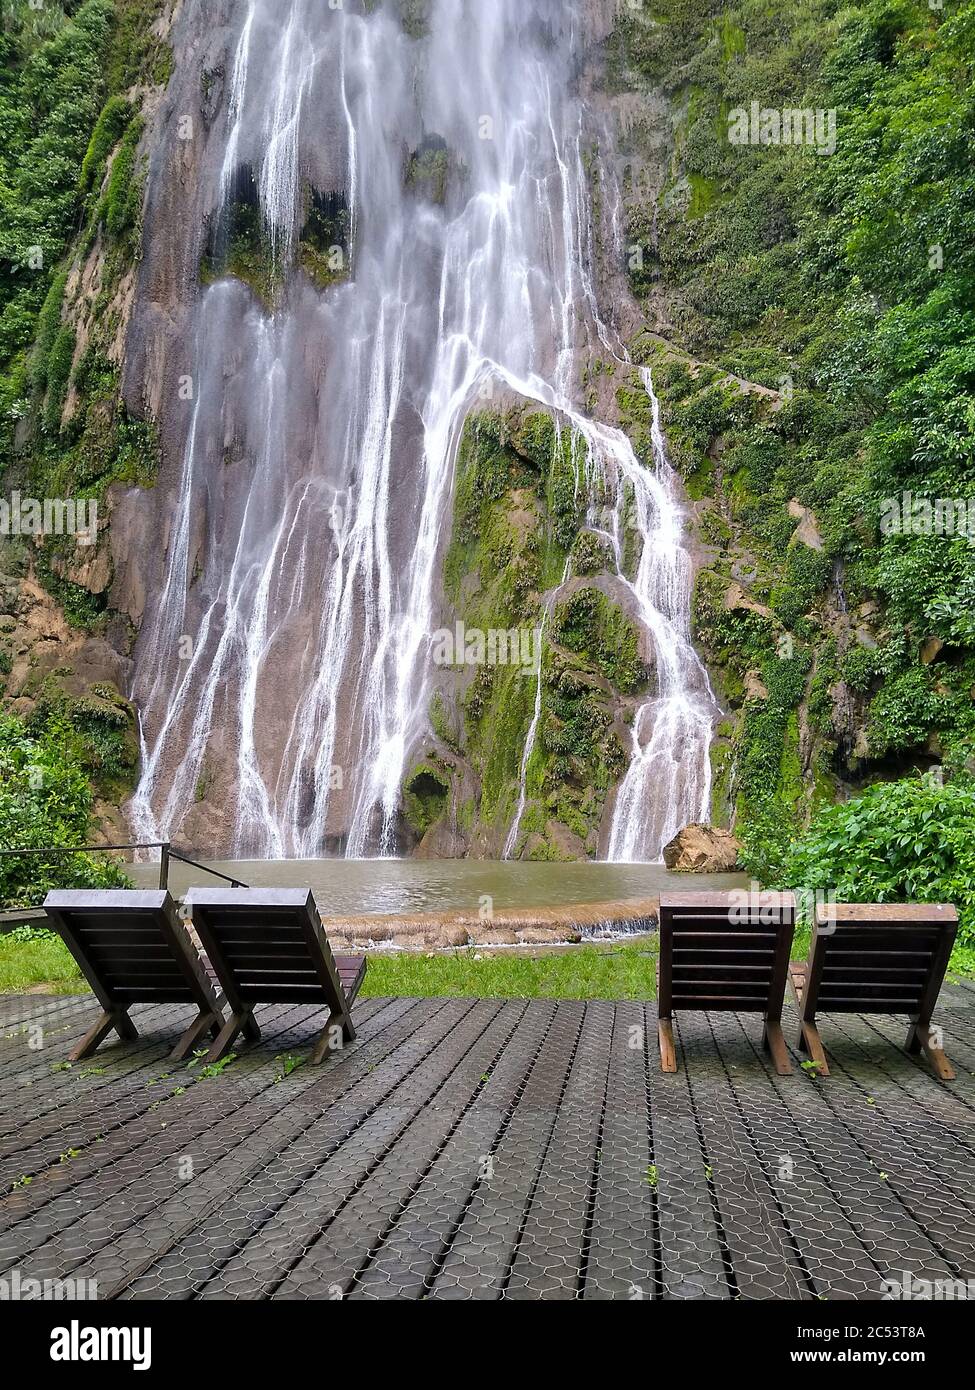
x=425 y=795
x=842 y=284
x=46 y=799
x=591 y=625
x=502 y=555
x=518 y=518
x=240 y=246
x=415 y=15
x=71 y=184
x=622 y=971
x=111 y=125
x=31 y=958
x=325 y=247
x=626 y=971
x=907 y=841
x=590 y=554
x=123 y=192
x=579 y=754
x=427 y=172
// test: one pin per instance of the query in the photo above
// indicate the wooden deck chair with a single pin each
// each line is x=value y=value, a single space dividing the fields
x=725 y=951
x=877 y=958
x=133 y=949
x=268 y=946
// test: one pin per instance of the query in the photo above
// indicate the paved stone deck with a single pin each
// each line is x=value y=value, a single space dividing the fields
x=481 y=1148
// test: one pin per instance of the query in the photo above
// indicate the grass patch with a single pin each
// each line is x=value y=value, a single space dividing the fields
x=42 y=960
x=587 y=972
x=962 y=963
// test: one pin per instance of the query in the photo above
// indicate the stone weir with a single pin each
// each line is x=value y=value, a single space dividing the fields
x=521 y=926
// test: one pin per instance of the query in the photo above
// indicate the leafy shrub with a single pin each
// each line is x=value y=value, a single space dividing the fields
x=123 y=196
x=48 y=325
x=590 y=554
x=109 y=129
x=905 y=711
x=860 y=667
x=58 y=376
x=767 y=723
x=45 y=800
x=766 y=839
x=907 y=841
x=596 y=629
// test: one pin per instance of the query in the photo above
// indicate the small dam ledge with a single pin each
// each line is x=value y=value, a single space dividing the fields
x=523 y=926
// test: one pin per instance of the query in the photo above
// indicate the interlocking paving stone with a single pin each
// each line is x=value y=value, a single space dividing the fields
x=486 y=1149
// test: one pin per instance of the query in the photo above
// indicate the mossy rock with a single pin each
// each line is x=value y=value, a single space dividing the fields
x=428 y=170
x=598 y=630
x=590 y=554
x=425 y=796
x=325 y=244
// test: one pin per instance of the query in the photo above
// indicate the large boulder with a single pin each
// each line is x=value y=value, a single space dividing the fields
x=702 y=849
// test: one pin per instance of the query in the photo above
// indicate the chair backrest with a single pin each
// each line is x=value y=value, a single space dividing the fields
x=267 y=945
x=725 y=951
x=885 y=958
x=131 y=946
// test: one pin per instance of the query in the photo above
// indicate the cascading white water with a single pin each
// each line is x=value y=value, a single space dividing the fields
x=287 y=654
x=668 y=781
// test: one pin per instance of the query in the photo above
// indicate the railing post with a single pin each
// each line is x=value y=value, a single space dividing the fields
x=164 y=865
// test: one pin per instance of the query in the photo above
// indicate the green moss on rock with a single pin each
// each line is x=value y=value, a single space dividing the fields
x=425 y=794
x=597 y=629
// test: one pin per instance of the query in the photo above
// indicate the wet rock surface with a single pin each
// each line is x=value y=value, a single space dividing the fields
x=504 y=927
x=702 y=849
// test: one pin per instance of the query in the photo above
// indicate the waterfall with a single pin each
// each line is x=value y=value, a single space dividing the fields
x=668 y=782
x=283 y=669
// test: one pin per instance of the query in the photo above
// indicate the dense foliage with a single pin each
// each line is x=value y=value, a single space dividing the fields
x=843 y=282
x=907 y=841
x=70 y=195
x=46 y=800
x=73 y=77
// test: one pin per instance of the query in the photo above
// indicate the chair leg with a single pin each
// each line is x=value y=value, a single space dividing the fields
x=668 y=1052
x=117 y=1019
x=811 y=1042
x=205 y=1022
x=921 y=1038
x=126 y=1028
x=773 y=1040
x=328 y=1042
x=242 y=1022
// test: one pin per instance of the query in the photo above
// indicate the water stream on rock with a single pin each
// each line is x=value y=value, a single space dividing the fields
x=319 y=459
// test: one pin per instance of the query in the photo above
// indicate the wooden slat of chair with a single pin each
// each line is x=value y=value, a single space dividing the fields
x=269 y=946
x=809 y=1039
x=147 y=958
x=711 y=960
x=877 y=958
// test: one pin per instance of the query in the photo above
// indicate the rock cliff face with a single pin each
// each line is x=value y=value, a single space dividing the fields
x=83 y=84
x=331 y=419
x=347 y=475
x=739 y=260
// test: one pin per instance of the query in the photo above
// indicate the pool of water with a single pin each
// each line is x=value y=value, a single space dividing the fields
x=378 y=887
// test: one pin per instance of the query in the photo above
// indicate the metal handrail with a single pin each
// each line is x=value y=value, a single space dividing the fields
x=166 y=853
